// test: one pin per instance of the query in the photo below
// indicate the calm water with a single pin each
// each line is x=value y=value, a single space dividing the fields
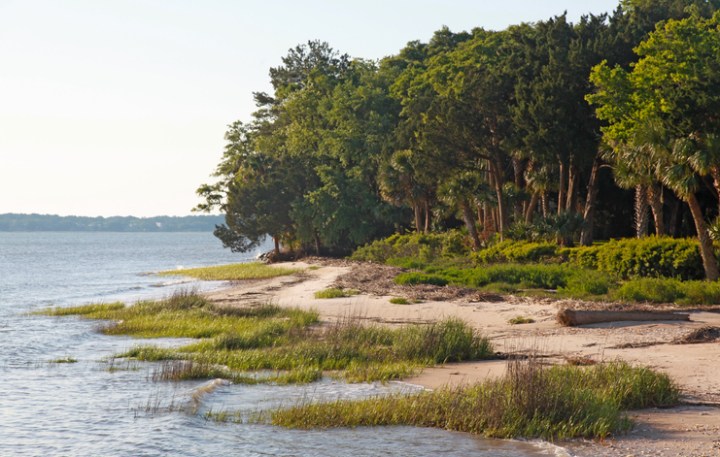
x=98 y=406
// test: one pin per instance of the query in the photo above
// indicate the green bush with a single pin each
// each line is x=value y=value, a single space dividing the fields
x=419 y=247
x=651 y=257
x=518 y=251
x=582 y=256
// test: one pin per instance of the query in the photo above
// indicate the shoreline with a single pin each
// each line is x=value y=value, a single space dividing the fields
x=692 y=429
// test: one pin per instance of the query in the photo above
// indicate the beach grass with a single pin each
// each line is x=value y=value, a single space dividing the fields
x=232 y=341
x=233 y=272
x=518 y=320
x=531 y=401
x=335 y=293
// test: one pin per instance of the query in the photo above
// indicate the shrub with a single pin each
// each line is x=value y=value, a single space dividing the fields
x=582 y=256
x=651 y=257
x=517 y=251
x=417 y=246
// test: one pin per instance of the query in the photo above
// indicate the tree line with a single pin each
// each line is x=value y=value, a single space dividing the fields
x=603 y=128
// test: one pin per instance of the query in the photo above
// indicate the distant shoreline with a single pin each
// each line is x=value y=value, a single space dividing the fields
x=14 y=222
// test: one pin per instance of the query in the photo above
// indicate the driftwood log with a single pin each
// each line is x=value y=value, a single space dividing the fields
x=572 y=318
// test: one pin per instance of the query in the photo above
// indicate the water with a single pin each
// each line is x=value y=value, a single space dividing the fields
x=98 y=406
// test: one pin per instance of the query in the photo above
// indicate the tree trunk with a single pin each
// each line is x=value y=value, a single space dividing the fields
x=531 y=207
x=572 y=318
x=674 y=217
x=715 y=173
x=642 y=219
x=561 y=188
x=418 y=218
x=276 y=240
x=427 y=216
x=544 y=202
x=518 y=168
x=317 y=244
x=656 y=205
x=586 y=236
x=497 y=181
x=469 y=219
x=572 y=181
x=706 y=248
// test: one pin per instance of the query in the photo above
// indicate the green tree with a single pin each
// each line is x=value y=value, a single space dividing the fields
x=668 y=105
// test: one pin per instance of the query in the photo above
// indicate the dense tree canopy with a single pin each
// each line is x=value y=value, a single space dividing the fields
x=525 y=132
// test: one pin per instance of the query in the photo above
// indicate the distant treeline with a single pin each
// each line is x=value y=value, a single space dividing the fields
x=47 y=223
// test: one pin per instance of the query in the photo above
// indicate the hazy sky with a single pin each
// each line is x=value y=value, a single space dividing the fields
x=118 y=107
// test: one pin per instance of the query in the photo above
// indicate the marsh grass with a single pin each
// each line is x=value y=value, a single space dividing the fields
x=231 y=342
x=531 y=401
x=233 y=272
x=336 y=293
x=66 y=359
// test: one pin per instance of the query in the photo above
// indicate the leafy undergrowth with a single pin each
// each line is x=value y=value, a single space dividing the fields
x=286 y=345
x=647 y=270
x=233 y=272
x=531 y=401
x=567 y=281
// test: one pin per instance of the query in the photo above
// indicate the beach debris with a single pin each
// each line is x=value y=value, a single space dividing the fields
x=702 y=335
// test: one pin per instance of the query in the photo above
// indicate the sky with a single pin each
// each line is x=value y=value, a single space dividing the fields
x=118 y=107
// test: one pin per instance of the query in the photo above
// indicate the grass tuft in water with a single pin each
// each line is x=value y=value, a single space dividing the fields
x=66 y=359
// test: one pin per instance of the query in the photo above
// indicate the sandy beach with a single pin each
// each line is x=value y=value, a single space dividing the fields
x=692 y=429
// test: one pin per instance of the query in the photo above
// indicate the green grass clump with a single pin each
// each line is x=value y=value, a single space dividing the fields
x=335 y=293
x=531 y=401
x=414 y=278
x=517 y=320
x=83 y=310
x=233 y=272
x=399 y=301
x=585 y=283
x=66 y=359
x=231 y=342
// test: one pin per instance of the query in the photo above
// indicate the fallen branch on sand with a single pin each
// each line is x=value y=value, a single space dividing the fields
x=571 y=318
